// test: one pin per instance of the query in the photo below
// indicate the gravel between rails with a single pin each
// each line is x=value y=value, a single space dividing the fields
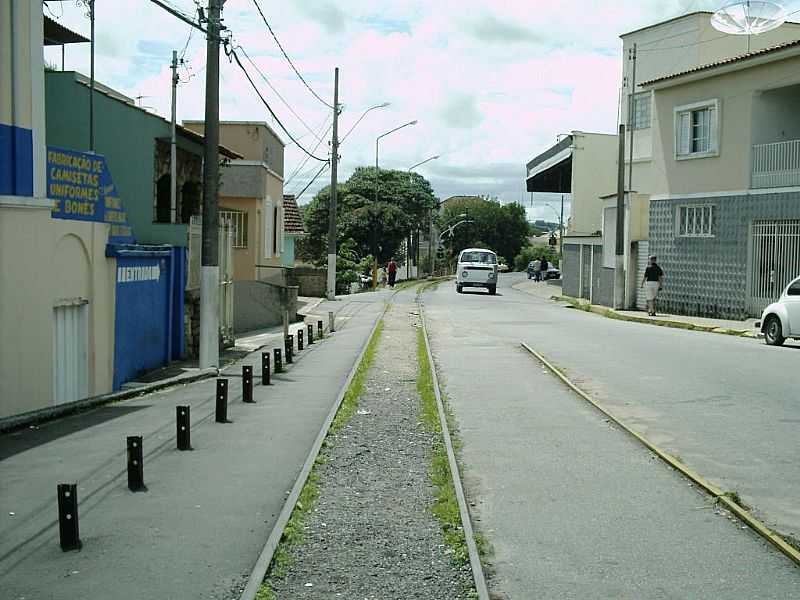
x=371 y=534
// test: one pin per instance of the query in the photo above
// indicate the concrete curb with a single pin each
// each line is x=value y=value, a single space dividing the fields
x=722 y=497
x=610 y=313
x=62 y=410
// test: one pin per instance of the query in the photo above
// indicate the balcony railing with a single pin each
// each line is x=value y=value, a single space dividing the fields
x=776 y=164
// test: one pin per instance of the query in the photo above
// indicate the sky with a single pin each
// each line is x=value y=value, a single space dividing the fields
x=491 y=84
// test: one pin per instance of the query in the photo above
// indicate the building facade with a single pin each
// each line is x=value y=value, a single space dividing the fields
x=725 y=221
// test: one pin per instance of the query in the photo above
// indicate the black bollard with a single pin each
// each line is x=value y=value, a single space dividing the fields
x=265 y=368
x=68 y=517
x=278 y=362
x=135 y=464
x=319 y=329
x=222 y=401
x=247 y=384
x=310 y=334
x=183 y=427
x=331 y=323
x=299 y=340
x=289 y=346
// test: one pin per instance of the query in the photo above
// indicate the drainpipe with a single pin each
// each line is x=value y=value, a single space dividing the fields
x=171 y=303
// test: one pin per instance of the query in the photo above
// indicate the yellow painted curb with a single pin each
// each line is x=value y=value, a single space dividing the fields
x=760 y=528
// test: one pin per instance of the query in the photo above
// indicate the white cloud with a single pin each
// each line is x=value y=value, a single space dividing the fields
x=492 y=84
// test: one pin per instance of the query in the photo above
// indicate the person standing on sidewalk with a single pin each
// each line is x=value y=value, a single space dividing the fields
x=536 y=269
x=653 y=282
x=392 y=270
x=543 y=267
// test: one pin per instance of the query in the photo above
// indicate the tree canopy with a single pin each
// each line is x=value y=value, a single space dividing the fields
x=375 y=227
x=502 y=228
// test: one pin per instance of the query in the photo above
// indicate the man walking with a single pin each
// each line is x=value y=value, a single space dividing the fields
x=543 y=270
x=652 y=282
x=392 y=269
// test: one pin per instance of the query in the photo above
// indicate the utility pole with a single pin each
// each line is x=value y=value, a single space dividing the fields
x=91 y=78
x=619 y=262
x=173 y=166
x=332 y=206
x=209 y=272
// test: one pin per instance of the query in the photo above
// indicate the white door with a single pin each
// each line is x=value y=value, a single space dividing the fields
x=70 y=352
x=793 y=308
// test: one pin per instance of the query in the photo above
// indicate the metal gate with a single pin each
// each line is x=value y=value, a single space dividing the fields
x=642 y=254
x=774 y=261
x=70 y=351
x=586 y=271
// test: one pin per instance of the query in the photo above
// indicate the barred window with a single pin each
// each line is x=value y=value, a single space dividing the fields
x=696 y=221
x=236 y=219
x=640 y=111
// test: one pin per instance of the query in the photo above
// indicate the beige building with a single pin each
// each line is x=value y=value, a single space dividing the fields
x=251 y=197
x=57 y=296
x=725 y=208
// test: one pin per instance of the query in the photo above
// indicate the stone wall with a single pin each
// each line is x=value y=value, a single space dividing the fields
x=311 y=281
x=259 y=305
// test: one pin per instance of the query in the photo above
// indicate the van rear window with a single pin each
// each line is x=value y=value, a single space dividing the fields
x=479 y=257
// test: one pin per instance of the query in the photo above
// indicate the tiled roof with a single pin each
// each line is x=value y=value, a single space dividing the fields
x=292 y=220
x=725 y=61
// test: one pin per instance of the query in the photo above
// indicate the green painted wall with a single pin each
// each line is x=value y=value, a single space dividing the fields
x=126 y=136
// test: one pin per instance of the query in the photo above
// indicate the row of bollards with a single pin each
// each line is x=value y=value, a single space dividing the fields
x=69 y=533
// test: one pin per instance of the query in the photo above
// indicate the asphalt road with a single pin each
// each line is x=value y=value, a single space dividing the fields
x=573 y=507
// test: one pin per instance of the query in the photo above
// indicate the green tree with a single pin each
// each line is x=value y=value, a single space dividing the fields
x=502 y=228
x=531 y=253
x=379 y=228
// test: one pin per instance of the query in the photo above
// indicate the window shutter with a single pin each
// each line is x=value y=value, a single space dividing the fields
x=712 y=117
x=683 y=135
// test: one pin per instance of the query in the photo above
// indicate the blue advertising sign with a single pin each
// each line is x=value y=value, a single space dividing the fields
x=81 y=187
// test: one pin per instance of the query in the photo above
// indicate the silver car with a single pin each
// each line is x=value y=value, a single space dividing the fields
x=477 y=267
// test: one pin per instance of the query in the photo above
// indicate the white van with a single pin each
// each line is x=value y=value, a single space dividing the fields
x=477 y=267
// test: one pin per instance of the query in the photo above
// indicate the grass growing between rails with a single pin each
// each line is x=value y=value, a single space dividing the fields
x=445 y=505
x=293 y=532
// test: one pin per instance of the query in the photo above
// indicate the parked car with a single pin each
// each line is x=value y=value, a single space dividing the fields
x=781 y=319
x=552 y=273
x=477 y=267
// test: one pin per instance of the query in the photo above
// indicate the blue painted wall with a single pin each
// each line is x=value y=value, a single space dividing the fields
x=16 y=161
x=148 y=326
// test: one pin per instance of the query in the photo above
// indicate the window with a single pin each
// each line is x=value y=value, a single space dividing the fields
x=794 y=289
x=696 y=130
x=237 y=220
x=696 y=221
x=478 y=257
x=640 y=111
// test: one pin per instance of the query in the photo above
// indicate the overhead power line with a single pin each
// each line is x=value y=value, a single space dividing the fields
x=305 y=160
x=182 y=16
x=277 y=93
x=286 y=56
x=325 y=166
x=232 y=52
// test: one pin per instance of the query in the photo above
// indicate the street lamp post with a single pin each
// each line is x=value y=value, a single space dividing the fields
x=377 y=168
x=377 y=140
x=430 y=215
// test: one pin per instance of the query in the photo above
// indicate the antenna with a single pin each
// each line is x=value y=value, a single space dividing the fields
x=749 y=17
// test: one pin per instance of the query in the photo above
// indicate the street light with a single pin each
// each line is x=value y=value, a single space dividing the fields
x=430 y=219
x=422 y=163
x=378 y=139
x=384 y=105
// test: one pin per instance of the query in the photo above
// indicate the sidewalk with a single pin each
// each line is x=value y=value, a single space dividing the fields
x=200 y=527
x=547 y=291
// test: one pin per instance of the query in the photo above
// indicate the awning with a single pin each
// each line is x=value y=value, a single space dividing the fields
x=55 y=34
x=551 y=171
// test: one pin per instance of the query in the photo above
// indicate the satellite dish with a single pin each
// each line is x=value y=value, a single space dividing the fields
x=749 y=17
